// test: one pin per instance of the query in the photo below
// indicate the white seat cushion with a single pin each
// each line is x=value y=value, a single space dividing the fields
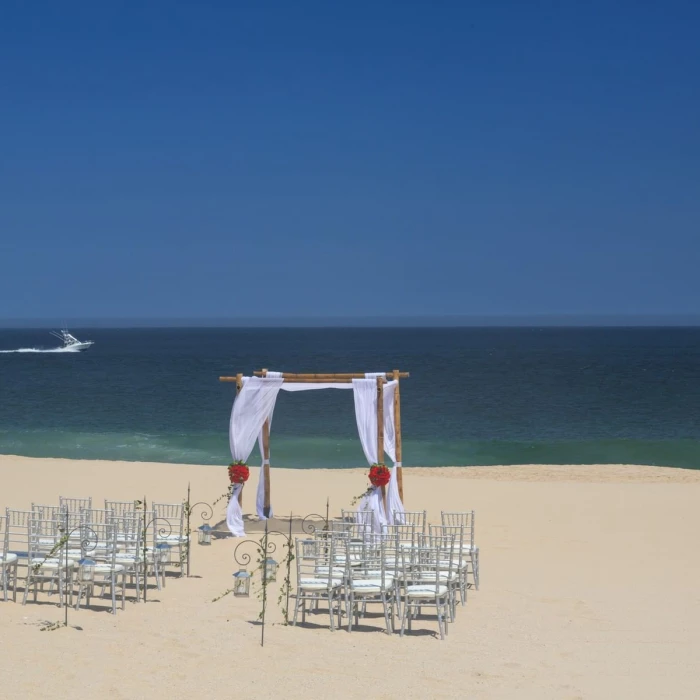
x=338 y=571
x=6 y=559
x=369 y=585
x=388 y=578
x=317 y=584
x=107 y=568
x=52 y=563
x=421 y=591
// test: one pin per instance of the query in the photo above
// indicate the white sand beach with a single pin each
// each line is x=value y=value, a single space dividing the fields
x=589 y=589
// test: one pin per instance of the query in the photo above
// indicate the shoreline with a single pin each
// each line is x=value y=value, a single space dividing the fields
x=600 y=472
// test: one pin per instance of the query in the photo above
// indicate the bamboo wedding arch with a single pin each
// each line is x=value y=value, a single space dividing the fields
x=337 y=378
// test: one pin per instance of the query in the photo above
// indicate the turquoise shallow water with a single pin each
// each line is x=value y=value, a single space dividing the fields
x=475 y=396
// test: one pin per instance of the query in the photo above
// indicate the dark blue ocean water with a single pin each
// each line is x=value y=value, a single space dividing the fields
x=475 y=396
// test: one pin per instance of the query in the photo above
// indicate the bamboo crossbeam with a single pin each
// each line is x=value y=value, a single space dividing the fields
x=326 y=376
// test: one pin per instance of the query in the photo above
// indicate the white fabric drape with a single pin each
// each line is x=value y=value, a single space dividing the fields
x=394 y=504
x=234 y=514
x=251 y=408
x=365 y=394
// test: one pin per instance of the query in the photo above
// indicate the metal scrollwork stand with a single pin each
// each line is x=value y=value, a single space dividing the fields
x=88 y=543
x=266 y=548
x=206 y=515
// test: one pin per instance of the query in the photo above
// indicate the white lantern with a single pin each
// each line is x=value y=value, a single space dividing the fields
x=163 y=553
x=241 y=584
x=309 y=549
x=86 y=571
x=204 y=537
x=269 y=570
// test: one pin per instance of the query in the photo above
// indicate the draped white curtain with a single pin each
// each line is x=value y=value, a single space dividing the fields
x=365 y=395
x=253 y=405
x=393 y=499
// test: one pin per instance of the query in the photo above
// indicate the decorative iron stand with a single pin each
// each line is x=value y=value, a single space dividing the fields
x=206 y=515
x=265 y=547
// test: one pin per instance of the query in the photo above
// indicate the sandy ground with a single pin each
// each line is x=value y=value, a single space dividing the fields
x=590 y=589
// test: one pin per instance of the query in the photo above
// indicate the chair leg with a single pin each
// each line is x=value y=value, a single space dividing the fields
x=386 y=614
x=296 y=608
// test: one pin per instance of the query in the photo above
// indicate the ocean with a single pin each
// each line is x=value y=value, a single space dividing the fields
x=476 y=396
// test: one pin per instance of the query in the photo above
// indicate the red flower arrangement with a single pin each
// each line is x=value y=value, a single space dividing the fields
x=238 y=472
x=379 y=475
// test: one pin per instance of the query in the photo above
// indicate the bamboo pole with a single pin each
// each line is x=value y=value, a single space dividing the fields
x=380 y=435
x=266 y=466
x=266 y=461
x=397 y=432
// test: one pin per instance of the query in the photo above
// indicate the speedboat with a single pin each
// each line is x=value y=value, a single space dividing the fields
x=70 y=342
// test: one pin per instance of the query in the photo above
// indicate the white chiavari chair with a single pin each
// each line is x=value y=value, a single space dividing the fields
x=170 y=530
x=109 y=573
x=8 y=562
x=46 y=562
x=318 y=577
x=131 y=553
x=460 y=559
x=17 y=537
x=467 y=520
x=370 y=581
x=425 y=572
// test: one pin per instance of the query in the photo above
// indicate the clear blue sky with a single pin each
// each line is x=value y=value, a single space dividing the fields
x=209 y=159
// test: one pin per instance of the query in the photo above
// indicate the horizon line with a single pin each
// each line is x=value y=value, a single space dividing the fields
x=406 y=321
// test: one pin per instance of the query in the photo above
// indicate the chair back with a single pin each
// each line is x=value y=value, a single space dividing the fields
x=17 y=532
x=96 y=515
x=417 y=518
x=360 y=517
x=401 y=535
x=171 y=513
x=74 y=505
x=121 y=507
x=464 y=518
x=316 y=560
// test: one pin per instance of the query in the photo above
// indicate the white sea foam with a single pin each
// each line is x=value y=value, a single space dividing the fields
x=41 y=350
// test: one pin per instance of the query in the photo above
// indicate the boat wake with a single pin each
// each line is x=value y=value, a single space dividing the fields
x=41 y=350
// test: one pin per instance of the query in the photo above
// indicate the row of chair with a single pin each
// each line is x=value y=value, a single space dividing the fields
x=404 y=567
x=73 y=545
